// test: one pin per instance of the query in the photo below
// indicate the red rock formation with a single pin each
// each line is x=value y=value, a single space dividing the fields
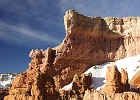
x=88 y=40
x=80 y=84
x=116 y=82
x=136 y=80
x=116 y=87
x=41 y=88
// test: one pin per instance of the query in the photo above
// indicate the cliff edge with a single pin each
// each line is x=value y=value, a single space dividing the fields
x=88 y=41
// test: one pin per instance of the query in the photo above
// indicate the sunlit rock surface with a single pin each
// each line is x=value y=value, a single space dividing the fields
x=88 y=41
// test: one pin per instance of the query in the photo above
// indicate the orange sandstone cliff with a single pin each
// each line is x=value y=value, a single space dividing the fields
x=88 y=41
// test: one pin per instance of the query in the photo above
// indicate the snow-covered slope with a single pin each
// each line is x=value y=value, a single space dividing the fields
x=7 y=79
x=130 y=64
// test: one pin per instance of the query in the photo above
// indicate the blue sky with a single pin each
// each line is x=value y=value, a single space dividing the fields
x=31 y=24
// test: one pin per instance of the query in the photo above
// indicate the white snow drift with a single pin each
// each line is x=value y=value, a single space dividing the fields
x=130 y=64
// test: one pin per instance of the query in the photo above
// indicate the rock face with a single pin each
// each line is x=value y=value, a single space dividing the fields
x=116 y=82
x=88 y=41
x=41 y=88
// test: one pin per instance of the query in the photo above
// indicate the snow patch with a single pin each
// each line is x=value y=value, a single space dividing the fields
x=6 y=80
x=130 y=64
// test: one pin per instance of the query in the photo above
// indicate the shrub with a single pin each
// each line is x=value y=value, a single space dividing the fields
x=95 y=67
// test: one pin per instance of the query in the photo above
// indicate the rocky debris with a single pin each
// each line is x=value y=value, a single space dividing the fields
x=42 y=88
x=116 y=82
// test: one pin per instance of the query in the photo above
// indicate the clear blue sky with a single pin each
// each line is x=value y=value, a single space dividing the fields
x=31 y=24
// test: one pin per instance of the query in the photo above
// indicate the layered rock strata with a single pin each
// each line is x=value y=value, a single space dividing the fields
x=88 y=41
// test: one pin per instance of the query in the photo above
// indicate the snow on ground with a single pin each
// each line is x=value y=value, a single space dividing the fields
x=130 y=64
x=67 y=87
x=6 y=80
x=4 y=83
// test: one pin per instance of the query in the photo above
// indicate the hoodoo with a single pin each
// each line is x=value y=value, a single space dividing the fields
x=88 y=41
